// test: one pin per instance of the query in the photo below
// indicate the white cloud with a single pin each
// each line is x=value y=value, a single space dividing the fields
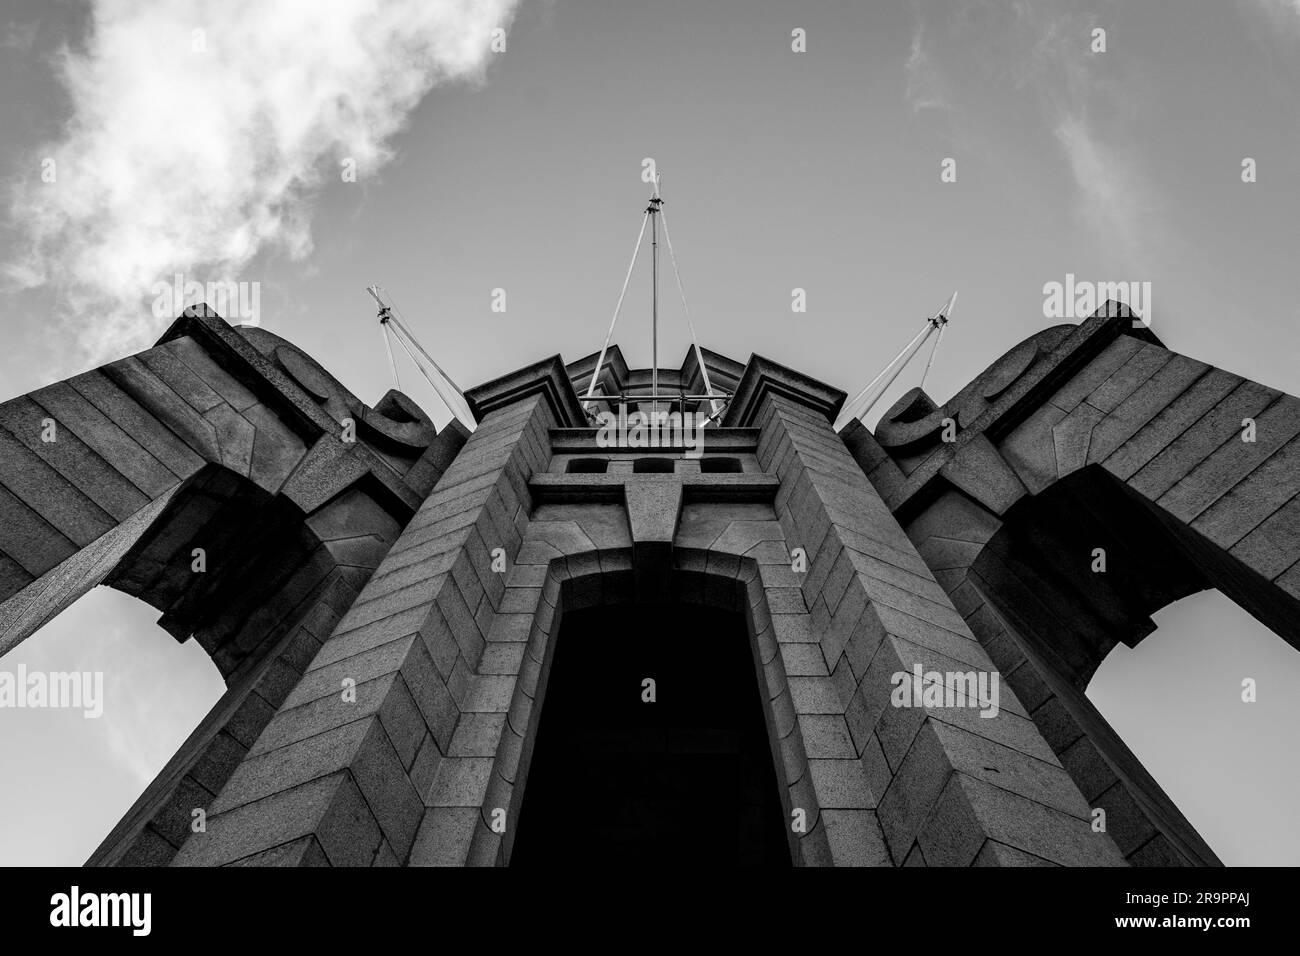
x=177 y=159
x=1036 y=55
x=924 y=88
x=1074 y=86
x=1109 y=198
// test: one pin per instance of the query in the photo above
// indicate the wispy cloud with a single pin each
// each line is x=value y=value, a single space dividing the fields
x=143 y=721
x=1036 y=55
x=1075 y=86
x=19 y=37
x=1110 y=199
x=1284 y=13
x=924 y=88
x=202 y=130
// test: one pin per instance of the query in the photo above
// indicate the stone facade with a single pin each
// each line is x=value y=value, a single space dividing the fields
x=384 y=599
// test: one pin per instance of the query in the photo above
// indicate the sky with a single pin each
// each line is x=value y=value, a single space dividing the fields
x=512 y=161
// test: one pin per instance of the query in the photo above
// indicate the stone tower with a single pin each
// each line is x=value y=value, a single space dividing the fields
x=795 y=647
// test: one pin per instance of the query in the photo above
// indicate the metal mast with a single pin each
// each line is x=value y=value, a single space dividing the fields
x=451 y=394
x=653 y=212
x=873 y=391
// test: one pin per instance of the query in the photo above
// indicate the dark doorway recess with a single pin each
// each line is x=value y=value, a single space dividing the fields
x=686 y=780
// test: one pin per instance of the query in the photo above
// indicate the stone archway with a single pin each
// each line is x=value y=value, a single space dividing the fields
x=215 y=476
x=574 y=557
x=692 y=773
x=259 y=585
x=1087 y=444
x=727 y=580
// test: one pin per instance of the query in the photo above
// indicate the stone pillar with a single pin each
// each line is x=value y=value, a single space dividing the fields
x=386 y=735
x=947 y=786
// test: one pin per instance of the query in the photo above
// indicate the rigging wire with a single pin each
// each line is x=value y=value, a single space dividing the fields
x=934 y=348
x=686 y=310
x=940 y=321
x=391 y=315
x=399 y=321
x=934 y=323
x=855 y=408
x=388 y=345
x=591 y=389
x=890 y=381
x=430 y=379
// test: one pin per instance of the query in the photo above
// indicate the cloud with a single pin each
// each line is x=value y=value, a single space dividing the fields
x=1283 y=13
x=19 y=37
x=143 y=720
x=1110 y=199
x=1075 y=87
x=201 y=131
x=924 y=87
x=1033 y=58
x=1281 y=18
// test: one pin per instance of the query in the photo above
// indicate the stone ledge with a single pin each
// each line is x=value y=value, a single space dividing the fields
x=566 y=489
x=763 y=377
x=1020 y=399
x=568 y=441
x=547 y=378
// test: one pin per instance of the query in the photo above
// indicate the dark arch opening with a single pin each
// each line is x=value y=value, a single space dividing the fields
x=1093 y=560
x=248 y=576
x=149 y=692
x=688 y=778
x=1176 y=700
x=1075 y=571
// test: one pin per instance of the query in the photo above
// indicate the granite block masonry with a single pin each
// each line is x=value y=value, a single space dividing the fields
x=384 y=599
